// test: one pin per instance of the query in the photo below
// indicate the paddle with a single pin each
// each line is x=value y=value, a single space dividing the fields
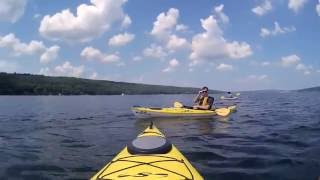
x=220 y=111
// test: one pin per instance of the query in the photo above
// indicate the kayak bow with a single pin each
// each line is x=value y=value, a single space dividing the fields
x=150 y=156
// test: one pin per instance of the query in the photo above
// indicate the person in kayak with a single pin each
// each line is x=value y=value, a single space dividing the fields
x=203 y=100
x=229 y=95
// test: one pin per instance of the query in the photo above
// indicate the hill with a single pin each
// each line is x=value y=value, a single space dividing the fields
x=310 y=89
x=28 y=84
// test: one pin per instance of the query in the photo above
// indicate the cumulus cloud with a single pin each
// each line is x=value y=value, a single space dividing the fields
x=11 y=10
x=296 y=5
x=305 y=69
x=65 y=69
x=126 y=22
x=50 y=54
x=212 y=45
x=154 y=51
x=94 y=75
x=318 y=8
x=121 y=39
x=175 y=43
x=218 y=11
x=265 y=63
x=290 y=60
x=90 y=53
x=89 y=21
x=137 y=58
x=32 y=48
x=172 y=65
x=165 y=23
x=181 y=27
x=224 y=67
x=264 y=32
x=262 y=9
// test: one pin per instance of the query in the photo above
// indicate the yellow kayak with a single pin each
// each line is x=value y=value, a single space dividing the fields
x=150 y=156
x=148 y=112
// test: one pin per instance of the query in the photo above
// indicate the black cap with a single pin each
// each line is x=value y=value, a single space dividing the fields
x=205 y=88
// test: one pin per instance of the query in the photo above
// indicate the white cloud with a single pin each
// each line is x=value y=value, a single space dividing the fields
x=154 y=51
x=50 y=54
x=90 y=53
x=212 y=45
x=66 y=69
x=10 y=41
x=263 y=8
x=224 y=67
x=94 y=75
x=32 y=48
x=172 y=65
x=218 y=10
x=181 y=27
x=36 y=16
x=301 y=67
x=296 y=5
x=264 y=32
x=121 y=39
x=164 y=24
x=318 y=8
x=89 y=22
x=175 y=43
x=11 y=10
x=306 y=69
x=290 y=60
x=265 y=63
x=137 y=58
x=126 y=21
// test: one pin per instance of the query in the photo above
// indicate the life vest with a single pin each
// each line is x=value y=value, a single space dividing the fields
x=203 y=101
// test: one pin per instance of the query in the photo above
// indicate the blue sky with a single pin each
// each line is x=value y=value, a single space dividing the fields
x=255 y=44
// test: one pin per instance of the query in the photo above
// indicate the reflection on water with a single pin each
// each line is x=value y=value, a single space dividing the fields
x=271 y=136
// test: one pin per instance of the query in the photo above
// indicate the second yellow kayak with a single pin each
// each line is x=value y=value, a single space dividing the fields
x=148 y=112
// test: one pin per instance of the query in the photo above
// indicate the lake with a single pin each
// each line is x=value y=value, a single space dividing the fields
x=273 y=135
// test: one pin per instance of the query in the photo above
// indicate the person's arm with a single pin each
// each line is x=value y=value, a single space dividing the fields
x=196 y=98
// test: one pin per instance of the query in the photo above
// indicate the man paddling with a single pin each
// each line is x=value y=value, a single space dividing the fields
x=203 y=100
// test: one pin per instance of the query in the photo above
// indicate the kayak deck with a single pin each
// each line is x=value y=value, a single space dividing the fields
x=170 y=165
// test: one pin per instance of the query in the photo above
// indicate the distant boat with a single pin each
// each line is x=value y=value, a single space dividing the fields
x=122 y=94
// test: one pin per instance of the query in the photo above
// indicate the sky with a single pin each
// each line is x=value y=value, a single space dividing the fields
x=222 y=44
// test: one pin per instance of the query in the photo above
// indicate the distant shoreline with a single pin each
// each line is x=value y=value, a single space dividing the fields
x=37 y=85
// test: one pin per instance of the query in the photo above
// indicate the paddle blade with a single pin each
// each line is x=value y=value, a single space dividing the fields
x=223 y=111
x=177 y=105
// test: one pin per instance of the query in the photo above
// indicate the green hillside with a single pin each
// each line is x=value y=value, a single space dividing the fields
x=27 y=84
x=310 y=89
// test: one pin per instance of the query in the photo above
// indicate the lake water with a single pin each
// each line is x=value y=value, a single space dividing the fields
x=273 y=135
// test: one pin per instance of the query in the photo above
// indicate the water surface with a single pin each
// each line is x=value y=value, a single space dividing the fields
x=273 y=135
